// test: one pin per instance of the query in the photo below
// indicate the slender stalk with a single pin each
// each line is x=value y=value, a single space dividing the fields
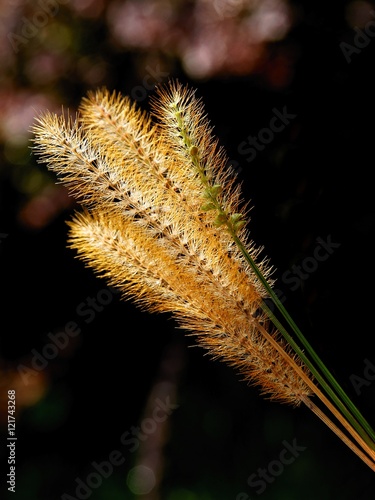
x=340 y=405
x=364 y=445
x=338 y=432
x=369 y=434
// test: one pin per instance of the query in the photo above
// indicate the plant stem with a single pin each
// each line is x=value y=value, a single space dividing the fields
x=327 y=403
x=339 y=433
x=364 y=429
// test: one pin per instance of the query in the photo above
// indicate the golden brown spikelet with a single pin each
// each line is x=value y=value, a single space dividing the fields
x=155 y=198
x=145 y=271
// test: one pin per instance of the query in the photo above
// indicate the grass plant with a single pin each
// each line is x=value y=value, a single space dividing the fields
x=163 y=220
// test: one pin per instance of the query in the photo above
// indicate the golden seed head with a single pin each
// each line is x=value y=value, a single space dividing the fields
x=156 y=218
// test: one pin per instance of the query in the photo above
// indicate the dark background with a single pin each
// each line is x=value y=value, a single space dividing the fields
x=314 y=180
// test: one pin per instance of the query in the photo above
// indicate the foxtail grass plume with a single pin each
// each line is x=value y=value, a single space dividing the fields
x=162 y=220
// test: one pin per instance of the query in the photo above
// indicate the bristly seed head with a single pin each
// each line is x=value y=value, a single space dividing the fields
x=160 y=212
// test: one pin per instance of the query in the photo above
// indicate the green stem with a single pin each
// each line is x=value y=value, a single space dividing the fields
x=339 y=404
x=340 y=392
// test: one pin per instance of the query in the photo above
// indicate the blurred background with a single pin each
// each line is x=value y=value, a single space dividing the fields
x=127 y=408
